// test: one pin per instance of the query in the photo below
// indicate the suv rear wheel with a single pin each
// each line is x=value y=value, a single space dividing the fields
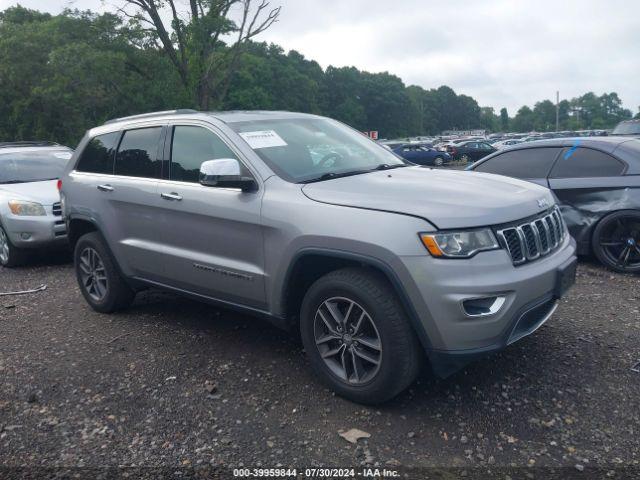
x=357 y=336
x=100 y=281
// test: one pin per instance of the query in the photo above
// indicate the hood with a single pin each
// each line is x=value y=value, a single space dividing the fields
x=446 y=198
x=45 y=193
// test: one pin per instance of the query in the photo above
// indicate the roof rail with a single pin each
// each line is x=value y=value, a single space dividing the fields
x=29 y=143
x=152 y=114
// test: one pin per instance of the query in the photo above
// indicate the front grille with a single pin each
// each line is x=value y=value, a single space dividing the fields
x=533 y=239
x=57 y=209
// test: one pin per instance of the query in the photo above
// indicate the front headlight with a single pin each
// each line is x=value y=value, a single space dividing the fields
x=28 y=209
x=463 y=244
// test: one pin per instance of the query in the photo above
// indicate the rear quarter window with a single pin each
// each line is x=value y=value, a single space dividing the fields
x=97 y=156
x=586 y=162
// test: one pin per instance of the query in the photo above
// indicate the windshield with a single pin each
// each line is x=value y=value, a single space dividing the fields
x=630 y=128
x=308 y=149
x=32 y=166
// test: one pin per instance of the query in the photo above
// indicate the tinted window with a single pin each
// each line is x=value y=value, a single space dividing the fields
x=97 y=156
x=526 y=163
x=137 y=155
x=586 y=162
x=190 y=147
x=627 y=128
x=33 y=166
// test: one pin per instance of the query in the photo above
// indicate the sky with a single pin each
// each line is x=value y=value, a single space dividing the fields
x=504 y=53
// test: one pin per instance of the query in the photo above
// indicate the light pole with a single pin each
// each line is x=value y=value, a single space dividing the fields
x=557 y=111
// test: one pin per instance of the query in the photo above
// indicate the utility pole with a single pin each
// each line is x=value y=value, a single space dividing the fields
x=557 y=111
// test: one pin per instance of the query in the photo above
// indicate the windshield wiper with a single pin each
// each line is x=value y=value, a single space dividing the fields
x=28 y=181
x=332 y=175
x=386 y=166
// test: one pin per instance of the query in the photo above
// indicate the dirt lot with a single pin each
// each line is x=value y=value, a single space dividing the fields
x=81 y=389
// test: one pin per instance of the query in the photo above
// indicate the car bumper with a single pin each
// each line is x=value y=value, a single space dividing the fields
x=529 y=295
x=36 y=232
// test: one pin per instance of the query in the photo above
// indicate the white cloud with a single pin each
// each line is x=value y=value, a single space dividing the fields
x=501 y=52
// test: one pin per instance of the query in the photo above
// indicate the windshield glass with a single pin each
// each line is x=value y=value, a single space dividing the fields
x=630 y=128
x=305 y=149
x=32 y=166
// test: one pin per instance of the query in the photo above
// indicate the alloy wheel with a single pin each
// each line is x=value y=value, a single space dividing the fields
x=348 y=341
x=620 y=242
x=4 y=247
x=93 y=274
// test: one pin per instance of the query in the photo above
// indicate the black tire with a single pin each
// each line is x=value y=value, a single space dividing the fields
x=438 y=161
x=614 y=235
x=465 y=158
x=401 y=355
x=10 y=256
x=117 y=293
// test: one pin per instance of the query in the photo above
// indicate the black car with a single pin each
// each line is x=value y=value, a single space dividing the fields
x=470 y=151
x=597 y=183
x=629 y=128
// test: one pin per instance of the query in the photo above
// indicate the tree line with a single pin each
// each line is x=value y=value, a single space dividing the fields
x=62 y=74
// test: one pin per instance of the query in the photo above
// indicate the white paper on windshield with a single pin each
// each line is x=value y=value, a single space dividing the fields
x=263 y=139
x=63 y=155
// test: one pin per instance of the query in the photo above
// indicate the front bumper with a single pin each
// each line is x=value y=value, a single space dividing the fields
x=36 y=232
x=437 y=289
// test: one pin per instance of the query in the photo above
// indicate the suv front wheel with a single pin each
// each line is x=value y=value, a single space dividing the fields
x=100 y=282
x=357 y=336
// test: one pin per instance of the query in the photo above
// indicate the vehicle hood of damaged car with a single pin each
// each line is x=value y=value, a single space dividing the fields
x=446 y=198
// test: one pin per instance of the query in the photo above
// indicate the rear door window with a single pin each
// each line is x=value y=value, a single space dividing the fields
x=586 y=162
x=525 y=163
x=138 y=153
x=97 y=156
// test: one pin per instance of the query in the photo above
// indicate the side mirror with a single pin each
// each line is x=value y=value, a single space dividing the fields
x=225 y=173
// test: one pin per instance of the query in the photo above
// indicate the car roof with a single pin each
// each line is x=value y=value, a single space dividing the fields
x=22 y=149
x=603 y=143
x=229 y=117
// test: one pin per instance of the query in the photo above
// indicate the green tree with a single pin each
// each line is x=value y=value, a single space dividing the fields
x=524 y=120
x=193 y=40
x=504 y=120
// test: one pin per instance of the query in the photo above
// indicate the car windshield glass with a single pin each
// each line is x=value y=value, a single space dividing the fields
x=631 y=128
x=32 y=166
x=308 y=149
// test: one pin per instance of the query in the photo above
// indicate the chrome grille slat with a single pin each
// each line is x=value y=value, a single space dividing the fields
x=56 y=209
x=529 y=241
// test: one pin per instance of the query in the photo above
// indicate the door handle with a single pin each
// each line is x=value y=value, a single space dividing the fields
x=171 y=196
x=105 y=188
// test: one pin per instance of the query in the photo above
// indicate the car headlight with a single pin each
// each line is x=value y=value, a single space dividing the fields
x=462 y=244
x=28 y=209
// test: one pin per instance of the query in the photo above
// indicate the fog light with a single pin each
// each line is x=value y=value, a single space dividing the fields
x=25 y=236
x=483 y=306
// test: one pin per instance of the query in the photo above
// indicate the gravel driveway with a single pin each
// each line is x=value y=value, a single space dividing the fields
x=183 y=387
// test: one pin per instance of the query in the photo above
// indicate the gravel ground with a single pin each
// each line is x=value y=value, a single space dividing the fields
x=174 y=384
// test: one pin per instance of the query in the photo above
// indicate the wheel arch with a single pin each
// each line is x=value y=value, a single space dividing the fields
x=310 y=264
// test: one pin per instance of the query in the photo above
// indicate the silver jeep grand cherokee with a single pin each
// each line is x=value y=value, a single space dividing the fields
x=380 y=265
